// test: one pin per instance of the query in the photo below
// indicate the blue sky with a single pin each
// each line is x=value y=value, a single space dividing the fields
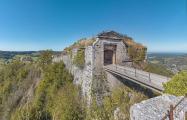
x=161 y=25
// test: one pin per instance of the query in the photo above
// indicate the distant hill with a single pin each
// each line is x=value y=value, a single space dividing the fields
x=11 y=54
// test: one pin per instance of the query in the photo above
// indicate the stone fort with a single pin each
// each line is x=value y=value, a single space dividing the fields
x=106 y=48
x=114 y=49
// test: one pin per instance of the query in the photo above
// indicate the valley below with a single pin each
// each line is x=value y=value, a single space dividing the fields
x=174 y=62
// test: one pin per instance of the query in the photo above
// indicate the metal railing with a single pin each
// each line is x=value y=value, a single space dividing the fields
x=137 y=72
x=150 y=80
x=133 y=72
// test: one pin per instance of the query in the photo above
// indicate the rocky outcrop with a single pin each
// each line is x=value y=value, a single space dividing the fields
x=156 y=108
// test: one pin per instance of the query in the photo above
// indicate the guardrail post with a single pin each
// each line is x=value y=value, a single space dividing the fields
x=149 y=77
x=135 y=72
x=171 y=113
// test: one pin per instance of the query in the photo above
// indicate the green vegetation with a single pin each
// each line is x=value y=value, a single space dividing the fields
x=8 y=56
x=137 y=55
x=41 y=91
x=55 y=98
x=82 y=43
x=119 y=98
x=45 y=91
x=45 y=58
x=122 y=98
x=15 y=79
x=79 y=58
x=178 y=85
x=158 y=69
x=136 y=51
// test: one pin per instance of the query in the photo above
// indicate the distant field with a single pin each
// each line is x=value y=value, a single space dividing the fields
x=172 y=61
x=6 y=55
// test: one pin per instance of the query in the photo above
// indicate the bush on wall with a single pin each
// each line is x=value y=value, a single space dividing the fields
x=79 y=58
x=137 y=54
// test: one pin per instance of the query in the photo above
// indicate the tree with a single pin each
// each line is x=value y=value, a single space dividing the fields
x=45 y=58
x=178 y=84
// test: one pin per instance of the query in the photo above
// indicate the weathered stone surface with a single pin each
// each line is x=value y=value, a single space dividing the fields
x=118 y=115
x=156 y=108
x=113 y=81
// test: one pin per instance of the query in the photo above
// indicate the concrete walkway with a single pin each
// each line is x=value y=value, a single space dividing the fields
x=149 y=80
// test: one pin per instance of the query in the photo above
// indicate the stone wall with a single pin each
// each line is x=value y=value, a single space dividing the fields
x=113 y=81
x=82 y=77
x=57 y=58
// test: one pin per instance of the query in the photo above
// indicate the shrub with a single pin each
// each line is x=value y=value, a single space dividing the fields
x=45 y=58
x=178 y=84
x=67 y=105
x=137 y=54
x=79 y=58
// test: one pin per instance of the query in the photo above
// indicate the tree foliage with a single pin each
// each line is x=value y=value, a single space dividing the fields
x=178 y=84
x=45 y=58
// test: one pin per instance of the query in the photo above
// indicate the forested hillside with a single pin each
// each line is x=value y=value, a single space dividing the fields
x=8 y=56
x=45 y=91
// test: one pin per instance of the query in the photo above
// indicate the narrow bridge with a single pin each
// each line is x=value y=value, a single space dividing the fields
x=149 y=80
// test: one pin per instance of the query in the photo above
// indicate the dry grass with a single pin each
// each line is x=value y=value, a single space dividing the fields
x=83 y=43
x=131 y=42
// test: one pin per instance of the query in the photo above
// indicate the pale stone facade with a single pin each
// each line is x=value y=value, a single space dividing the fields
x=120 y=53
